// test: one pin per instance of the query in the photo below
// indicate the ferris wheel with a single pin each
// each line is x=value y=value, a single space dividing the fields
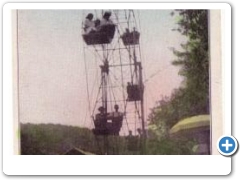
x=114 y=73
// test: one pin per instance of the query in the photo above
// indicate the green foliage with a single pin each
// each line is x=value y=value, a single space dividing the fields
x=167 y=146
x=192 y=98
x=50 y=139
x=194 y=60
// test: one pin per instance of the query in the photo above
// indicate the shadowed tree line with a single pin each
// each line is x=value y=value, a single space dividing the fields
x=55 y=139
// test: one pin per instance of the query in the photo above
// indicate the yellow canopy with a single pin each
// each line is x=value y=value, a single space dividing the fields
x=194 y=123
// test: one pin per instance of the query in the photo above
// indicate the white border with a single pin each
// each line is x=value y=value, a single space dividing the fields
x=116 y=6
x=107 y=165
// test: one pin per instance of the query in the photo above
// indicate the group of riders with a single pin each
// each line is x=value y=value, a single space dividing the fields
x=91 y=25
x=109 y=123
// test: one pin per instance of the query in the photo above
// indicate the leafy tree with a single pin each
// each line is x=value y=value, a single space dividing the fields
x=192 y=98
x=194 y=60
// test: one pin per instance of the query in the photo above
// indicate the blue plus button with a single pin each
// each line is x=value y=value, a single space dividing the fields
x=227 y=145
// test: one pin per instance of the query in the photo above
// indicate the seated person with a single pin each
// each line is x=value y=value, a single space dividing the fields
x=126 y=34
x=100 y=119
x=130 y=91
x=97 y=24
x=116 y=117
x=106 y=19
x=129 y=87
x=116 y=114
x=135 y=34
x=89 y=25
x=130 y=37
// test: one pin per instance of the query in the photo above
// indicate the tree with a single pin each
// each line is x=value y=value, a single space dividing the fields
x=194 y=60
x=193 y=97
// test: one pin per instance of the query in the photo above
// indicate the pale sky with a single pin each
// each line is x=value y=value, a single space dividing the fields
x=51 y=64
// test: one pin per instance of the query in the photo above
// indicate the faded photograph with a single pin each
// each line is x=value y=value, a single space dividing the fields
x=113 y=82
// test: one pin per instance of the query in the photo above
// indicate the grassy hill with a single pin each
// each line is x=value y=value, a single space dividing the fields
x=56 y=139
x=51 y=139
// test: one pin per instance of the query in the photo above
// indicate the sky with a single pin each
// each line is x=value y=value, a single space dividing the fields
x=53 y=57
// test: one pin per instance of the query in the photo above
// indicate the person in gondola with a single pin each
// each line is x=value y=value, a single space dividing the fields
x=129 y=91
x=100 y=119
x=117 y=113
x=89 y=24
x=126 y=36
x=97 y=24
x=106 y=19
x=117 y=118
x=126 y=33
x=135 y=36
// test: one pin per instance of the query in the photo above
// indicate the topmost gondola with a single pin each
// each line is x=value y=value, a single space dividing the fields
x=98 y=31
